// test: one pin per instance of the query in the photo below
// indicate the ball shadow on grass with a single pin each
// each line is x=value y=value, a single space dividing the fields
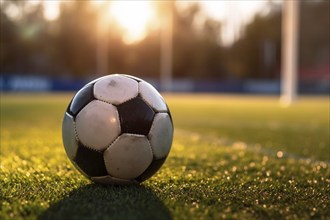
x=108 y=202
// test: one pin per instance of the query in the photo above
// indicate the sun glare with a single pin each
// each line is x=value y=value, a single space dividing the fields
x=134 y=17
x=51 y=10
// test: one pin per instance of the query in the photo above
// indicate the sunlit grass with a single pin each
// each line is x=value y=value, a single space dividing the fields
x=232 y=157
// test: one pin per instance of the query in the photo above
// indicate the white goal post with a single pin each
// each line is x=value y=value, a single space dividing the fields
x=166 y=44
x=289 y=68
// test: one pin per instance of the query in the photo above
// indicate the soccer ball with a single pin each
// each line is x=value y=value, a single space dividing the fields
x=117 y=129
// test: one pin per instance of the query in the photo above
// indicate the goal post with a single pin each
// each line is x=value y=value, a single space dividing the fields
x=289 y=68
x=166 y=47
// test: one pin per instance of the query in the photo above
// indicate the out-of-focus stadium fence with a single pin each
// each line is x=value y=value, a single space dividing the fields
x=33 y=83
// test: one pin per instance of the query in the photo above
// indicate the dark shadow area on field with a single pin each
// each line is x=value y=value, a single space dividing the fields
x=108 y=202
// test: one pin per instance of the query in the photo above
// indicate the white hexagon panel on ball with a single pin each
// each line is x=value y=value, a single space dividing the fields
x=152 y=96
x=161 y=135
x=128 y=157
x=69 y=136
x=97 y=125
x=115 y=89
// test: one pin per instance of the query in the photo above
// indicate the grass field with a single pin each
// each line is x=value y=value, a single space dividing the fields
x=236 y=157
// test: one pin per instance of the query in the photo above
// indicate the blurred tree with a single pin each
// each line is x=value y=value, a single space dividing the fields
x=76 y=38
x=24 y=40
x=144 y=57
x=197 y=52
x=211 y=53
x=261 y=38
x=9 y=43
x=256 y=54
x=314 y=33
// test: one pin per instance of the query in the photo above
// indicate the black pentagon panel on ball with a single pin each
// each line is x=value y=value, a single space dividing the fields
x=151 y=170
x=135 y=116
x=90 y=161
x=81 y=99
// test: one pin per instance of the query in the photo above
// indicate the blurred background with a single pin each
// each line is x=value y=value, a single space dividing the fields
x=178 y=46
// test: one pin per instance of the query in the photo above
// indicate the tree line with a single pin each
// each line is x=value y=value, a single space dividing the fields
x=68 y=45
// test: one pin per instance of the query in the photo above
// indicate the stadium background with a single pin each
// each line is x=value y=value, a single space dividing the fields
x=43 y=53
